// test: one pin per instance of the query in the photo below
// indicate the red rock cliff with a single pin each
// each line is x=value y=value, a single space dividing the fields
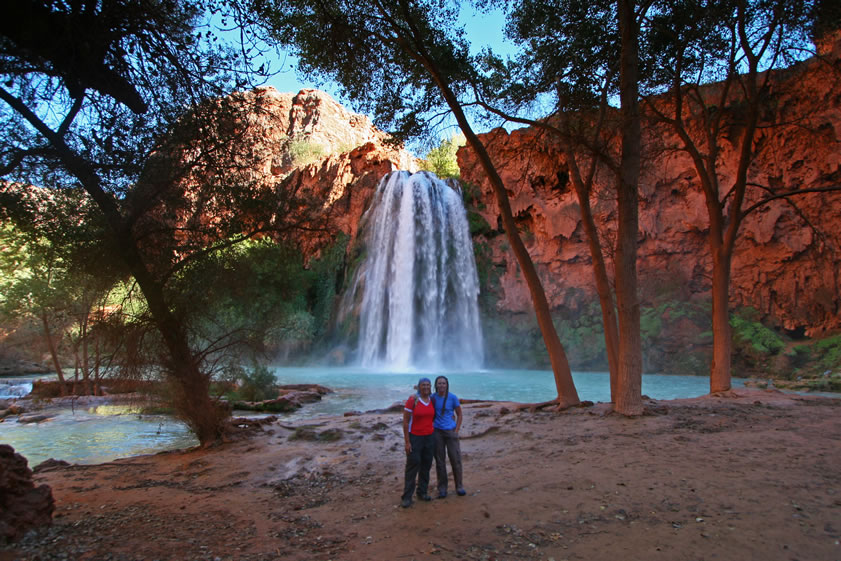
x=787 y=261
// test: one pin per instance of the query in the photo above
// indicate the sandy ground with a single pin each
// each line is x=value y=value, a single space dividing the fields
x=755 y=475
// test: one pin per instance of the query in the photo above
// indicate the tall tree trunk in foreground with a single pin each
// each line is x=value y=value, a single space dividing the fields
x=723 y=345
x=629 y=383
x=190 y=386
x=603 y=288
x=567 y=394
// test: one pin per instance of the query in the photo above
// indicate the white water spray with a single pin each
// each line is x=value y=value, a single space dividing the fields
x=420 y=300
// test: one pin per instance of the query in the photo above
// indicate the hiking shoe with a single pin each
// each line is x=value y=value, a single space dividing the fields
x=406 y=503
x=442 y=494
x=461 y=492
x=425 y=497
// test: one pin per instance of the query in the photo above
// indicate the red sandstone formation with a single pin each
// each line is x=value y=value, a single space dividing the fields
x=22 y=505
x=787 y=263
x=304 y=159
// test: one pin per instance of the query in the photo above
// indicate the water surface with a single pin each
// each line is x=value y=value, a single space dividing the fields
x=99 y=434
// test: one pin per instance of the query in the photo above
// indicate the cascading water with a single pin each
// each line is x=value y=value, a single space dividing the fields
x=420 y=287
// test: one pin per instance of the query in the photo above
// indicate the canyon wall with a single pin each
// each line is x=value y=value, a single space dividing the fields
x=787 y=259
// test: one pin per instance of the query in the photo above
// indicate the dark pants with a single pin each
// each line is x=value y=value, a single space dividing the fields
x=418 y=464
x=447 y=443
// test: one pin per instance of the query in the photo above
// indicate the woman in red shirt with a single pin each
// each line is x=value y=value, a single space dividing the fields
x=418 y=414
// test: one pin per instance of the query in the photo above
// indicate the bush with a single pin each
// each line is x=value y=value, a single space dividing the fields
x=828 y=353
x=752 y=338
x=304 y=152
x=442 y=160
x=258 y=384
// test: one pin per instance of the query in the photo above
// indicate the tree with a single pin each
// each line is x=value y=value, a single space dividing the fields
x=715 y=60
x=581 y=55
x=395 y=59
x=91 y=95
x=56 y=269
x=441 y=160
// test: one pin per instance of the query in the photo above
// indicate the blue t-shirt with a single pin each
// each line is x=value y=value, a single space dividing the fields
x=447 y=419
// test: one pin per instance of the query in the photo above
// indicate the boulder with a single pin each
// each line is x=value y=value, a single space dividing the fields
x=23 y=506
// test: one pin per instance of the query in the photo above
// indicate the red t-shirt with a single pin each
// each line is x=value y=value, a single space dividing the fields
x=422 y=416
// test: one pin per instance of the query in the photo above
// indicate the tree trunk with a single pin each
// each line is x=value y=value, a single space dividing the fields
x=722 y=337
x=564 y=384
x=97 y=389
x=629 y=381
x=603 y=289
x=85 y=358
x=190 y=385
x=53 y=352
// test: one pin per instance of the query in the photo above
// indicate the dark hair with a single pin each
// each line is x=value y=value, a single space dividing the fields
x=446 y=394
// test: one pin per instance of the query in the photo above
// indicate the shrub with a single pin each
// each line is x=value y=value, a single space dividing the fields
x=304 y=152
x=753 y=338
x=442 y=160
x=258 y=384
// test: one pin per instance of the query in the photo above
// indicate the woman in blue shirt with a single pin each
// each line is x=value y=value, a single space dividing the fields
x=447 y=424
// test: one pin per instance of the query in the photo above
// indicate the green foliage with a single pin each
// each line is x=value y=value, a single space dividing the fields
x=651 y=323
x=326 y=281
x=442 y=160
x=828 y=352
x=257 y=384
x=753 y=338
x=470 y=193
x=478 y=225
x=304 y=151
x=818 y=358
x=251 y=296
x=583 y=338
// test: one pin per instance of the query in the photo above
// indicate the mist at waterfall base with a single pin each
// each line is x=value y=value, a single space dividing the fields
x=418 y=284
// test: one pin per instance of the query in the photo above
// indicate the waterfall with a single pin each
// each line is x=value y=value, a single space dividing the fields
x=419 y=287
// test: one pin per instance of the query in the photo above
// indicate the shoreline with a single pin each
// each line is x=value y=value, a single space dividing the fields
x=750 y=475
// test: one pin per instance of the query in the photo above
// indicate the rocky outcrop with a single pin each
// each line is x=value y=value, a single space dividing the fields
x=284 y=165
x=22 y=505
x=283 y=122
x=787 y=262
x=290 y=398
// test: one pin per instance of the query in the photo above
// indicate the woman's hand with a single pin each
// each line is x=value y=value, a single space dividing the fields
x=408 y=447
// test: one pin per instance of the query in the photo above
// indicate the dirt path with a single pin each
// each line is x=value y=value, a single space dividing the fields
x=753 y=476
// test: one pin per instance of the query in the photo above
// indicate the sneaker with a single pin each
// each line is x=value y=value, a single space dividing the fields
x=406 y=503
x=461 y=492
x=442 y=494
x=425 y=497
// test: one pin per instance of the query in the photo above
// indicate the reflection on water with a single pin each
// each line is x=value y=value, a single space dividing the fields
x=105 y=432
x=95 y=435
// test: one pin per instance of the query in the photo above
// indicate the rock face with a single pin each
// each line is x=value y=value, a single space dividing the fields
x=348 y=155
x=306 y=165
x=787 y=262
x=285 y=121
x=22 y=505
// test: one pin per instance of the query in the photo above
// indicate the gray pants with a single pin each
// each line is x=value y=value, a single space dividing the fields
x=447 y=443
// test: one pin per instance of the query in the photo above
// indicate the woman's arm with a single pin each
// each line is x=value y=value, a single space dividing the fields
x=458 y=417
x=408 y=444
